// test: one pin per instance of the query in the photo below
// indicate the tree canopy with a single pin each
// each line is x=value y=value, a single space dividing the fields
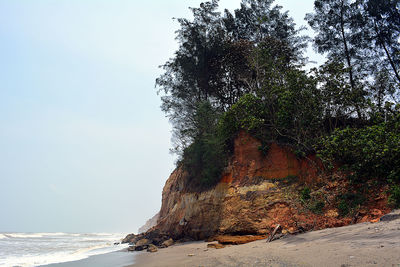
x=244 y=70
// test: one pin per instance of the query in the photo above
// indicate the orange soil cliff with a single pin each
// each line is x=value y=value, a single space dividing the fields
x=257 y=192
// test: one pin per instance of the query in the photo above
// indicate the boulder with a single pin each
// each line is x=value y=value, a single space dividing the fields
x=128 y=238
x=140 y=248
x=131 y=248
x=152 y=248
x=168 y=243
x=143 y=242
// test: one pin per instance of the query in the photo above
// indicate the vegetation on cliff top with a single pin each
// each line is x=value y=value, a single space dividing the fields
x=244 y=70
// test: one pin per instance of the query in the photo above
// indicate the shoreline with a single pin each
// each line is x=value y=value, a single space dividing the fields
x=364 y=244
x=120 y=258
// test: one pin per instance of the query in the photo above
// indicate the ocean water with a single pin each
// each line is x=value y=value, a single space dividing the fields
x=36 y=249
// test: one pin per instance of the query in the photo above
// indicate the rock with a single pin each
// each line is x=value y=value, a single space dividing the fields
x=116 y=243
x=140 y=248
x=190 y=255
x=215 y=245
x=255 y=193
x=168 y=242
x=128 y=238
x=152 y=248
x=391 y=216
x=131 y=248
x=143 y=242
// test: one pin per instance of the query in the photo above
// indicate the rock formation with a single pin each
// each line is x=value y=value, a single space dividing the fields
x=256 y=193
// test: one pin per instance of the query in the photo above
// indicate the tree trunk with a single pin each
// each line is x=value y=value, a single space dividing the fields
x=348 y=59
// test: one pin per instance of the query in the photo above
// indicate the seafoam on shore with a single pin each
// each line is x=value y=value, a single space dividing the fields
x=35 y=249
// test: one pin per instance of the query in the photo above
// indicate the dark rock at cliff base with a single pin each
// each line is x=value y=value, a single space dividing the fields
x=143 y=242
x=140 y=248
x=391 y=216
x=152 y=248
x=168 y=242
x=129 y=239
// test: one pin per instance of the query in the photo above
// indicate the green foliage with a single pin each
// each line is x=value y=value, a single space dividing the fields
x=394 y=198
x=214 y=61
x=205 y=158
x=313 y=203
x=247 y=114
x=349 y=202
x=204 y=161
x=317 y=206
x=305 y=194
x=368 y=152
x=242 y=70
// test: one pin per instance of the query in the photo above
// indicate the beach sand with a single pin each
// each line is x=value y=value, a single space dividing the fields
x=112 y=259
x=366 y=244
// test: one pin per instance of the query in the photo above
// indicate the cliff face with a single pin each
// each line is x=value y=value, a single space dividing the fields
x=256 y=193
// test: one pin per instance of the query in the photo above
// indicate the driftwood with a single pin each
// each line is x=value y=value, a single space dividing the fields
x=272 y=235
x=355 y=218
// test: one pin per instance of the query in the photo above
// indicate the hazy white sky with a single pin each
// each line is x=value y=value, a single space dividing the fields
x=84 y=146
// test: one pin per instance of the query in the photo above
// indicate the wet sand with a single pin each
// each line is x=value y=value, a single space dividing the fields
x=366 y=244
x=113 y=259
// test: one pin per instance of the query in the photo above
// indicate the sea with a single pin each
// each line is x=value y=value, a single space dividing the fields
x=36 y=249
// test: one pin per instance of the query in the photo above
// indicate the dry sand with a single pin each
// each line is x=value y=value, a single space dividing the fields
x=366 y=244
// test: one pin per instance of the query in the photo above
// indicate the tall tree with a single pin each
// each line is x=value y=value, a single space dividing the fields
x=333 y=20
x=381 y=28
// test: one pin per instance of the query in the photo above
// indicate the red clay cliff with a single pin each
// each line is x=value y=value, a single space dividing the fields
x=257 y=192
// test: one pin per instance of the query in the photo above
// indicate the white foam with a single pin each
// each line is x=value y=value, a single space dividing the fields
x=28 y=249
x=23 y=235
x=58 y=257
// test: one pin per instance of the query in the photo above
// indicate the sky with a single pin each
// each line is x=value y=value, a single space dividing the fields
x=84 y=146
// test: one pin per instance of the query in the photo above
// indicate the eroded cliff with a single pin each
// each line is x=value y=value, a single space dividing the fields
x=257 y=192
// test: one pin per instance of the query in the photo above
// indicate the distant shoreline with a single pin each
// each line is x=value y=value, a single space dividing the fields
x=364 y=244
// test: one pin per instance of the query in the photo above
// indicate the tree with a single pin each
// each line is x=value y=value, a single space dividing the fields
x=214 y=61
x=333 y=21
x=382 y=28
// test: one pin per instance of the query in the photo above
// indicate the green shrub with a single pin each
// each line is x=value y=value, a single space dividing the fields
x=247 y=114
x=343 y=208
x=317 y=206
x=305 y=194
x=394 y=198
x=348 y=203
x=366 y=153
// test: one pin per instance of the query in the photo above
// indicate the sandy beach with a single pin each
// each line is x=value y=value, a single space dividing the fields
x=113 y=259
x=366 y=244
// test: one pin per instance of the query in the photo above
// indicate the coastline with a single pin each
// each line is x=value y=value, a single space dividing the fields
x=120 y=258
x=364 y=244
